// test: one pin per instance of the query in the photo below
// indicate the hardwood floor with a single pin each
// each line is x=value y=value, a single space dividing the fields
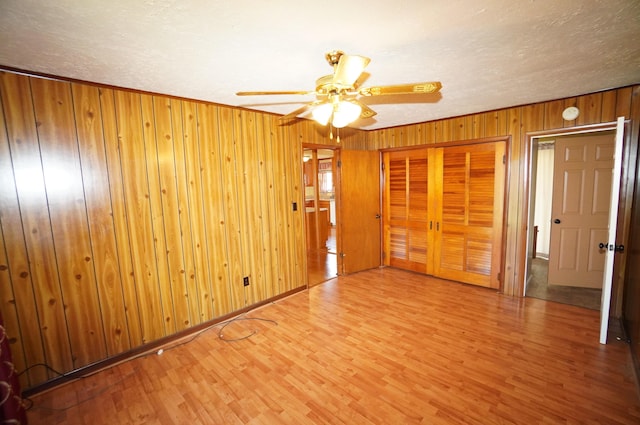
x=322 y=264
x=383 y=346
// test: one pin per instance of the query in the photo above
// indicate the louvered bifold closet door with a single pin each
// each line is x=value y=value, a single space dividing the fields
x=468 y=225
x=406 y=209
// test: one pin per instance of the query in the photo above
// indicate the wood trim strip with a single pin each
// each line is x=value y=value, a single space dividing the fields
x=148 y=348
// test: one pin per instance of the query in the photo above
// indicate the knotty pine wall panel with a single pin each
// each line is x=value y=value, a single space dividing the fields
x=245 y=127
x=61 y=170
x=115 y=211
x=230 y=214
x=22 y=296
x=95 y=178
x=269 y=234
x=138 y=220
x=289 y=174
x=127 y=217
x=31 y=256
x=199 y=274
x=516 y=122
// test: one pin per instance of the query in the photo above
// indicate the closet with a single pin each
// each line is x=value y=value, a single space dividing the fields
x=443 y=211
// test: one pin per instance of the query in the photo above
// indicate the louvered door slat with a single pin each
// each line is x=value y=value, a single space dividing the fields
x=468 y=238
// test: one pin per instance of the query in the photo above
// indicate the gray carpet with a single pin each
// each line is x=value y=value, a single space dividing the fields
x=538 y=288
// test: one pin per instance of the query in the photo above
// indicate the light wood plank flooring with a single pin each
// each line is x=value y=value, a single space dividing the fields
x=322 y=264
x=379 y=347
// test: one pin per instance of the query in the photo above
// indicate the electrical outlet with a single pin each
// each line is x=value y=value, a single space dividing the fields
x=245 y=280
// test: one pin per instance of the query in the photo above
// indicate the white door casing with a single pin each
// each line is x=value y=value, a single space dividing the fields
x=611 y=240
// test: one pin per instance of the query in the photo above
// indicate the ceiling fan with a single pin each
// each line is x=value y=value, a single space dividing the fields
x=337 y=94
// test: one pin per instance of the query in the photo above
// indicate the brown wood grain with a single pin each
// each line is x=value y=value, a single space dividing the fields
x=181 y=176
x=268 y=201
x=139 y=217
x=118 y=215
x=443 y=211
x=249 y=170
x=468 y=237
x=230 y=161
x=95 y=179
x=283 y=218
x=405 y=210
x=202 y=275
x=53 y=107
x=553 y=114
x=168 y=193
x=157 y=250
x=36 y=264
x=119 y=212
x=609 y=99
x=213 y=200
x=359 y=217
x=296 y=194
x=440 y=353
x=12 y=265
x=590 y=107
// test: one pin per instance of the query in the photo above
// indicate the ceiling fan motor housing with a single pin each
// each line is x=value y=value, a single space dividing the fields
x=337 y=93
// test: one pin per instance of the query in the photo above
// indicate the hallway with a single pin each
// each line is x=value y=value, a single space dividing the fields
x=537 y=288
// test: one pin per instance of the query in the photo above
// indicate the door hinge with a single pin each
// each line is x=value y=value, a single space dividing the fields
x=499 y=277
x=339 y=164
x=382 y=166
x=504 y=159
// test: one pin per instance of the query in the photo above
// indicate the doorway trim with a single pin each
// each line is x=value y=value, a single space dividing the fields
x=530 y=138
x=336 y=154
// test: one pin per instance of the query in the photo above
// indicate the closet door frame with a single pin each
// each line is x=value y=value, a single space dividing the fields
x=498 y=262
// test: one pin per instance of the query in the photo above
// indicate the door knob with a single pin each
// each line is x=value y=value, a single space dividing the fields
x=557 y=221
x=612 y=247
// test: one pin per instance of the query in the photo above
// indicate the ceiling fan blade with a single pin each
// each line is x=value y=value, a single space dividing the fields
x=414 y=88
x=349 y=69
x=366 y=111
x=258 y=93
x=298 y=111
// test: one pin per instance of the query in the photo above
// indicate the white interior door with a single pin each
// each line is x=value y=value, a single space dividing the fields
x=611 y=239
x=580 y=209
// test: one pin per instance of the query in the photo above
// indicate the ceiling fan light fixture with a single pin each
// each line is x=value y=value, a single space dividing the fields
x=337 y=93
x=345 y=113
x=322 y=113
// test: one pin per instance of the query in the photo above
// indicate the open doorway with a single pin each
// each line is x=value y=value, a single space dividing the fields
x=555 y=238
x=320 y=213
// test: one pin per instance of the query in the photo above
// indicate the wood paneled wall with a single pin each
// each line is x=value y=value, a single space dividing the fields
x=517 y=123
x=127 y=217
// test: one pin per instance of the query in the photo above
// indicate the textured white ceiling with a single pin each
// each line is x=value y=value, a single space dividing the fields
x=488 y=54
